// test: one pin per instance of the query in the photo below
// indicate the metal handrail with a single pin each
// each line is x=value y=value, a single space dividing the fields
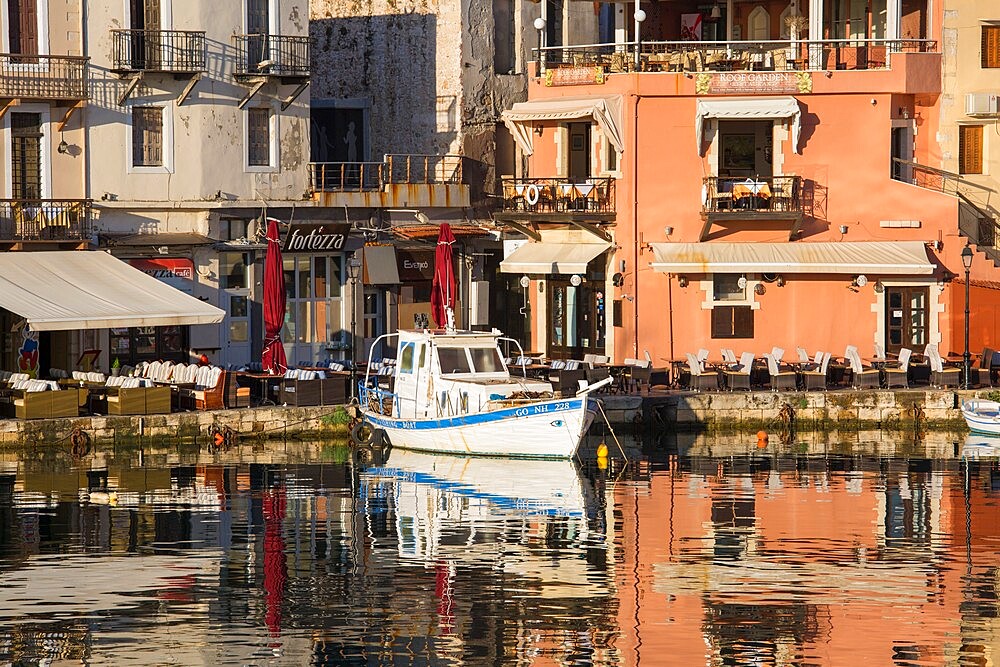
x=158 y=50
x=45 y=219
x=416 y=168
x=394 y=169
x=721 y=194
x=272 y=55
x=43 y=76
x=346 y=176
x=554 y=194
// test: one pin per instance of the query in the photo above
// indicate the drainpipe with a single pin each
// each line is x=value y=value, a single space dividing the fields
x=85 y=51
x=635 y=225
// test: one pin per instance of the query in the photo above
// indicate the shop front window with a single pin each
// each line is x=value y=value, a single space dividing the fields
x=135 y=344
x=314 y=309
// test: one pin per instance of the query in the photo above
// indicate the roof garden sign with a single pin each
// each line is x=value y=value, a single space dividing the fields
x=753 y=83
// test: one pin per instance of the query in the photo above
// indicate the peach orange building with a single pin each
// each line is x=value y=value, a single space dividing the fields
x=769 y=179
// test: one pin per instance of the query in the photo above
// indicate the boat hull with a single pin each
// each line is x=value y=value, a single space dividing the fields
x=982 y=416
x=547 y=429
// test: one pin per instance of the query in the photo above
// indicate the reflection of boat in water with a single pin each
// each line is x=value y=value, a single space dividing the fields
x=492 y=512
x=978 y=445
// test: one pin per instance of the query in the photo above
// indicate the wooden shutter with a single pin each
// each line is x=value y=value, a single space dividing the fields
x=991 y=46
x=732 y=322
x=259 y=137
x=29 y=27
x=970 y=149
x=147 y=137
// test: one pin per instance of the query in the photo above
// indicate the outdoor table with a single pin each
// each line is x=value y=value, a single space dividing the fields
x=261 y=379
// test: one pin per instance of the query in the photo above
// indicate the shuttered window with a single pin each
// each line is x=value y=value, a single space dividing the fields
x=259 y=137
x=991 y=46
x=147 y=137
x=970 y=149
x=26 y=155
x=732 y=322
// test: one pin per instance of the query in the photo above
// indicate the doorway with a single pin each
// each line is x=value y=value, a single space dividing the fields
x=906 y=318
x=258 y=27
x=579 y=151
x=746 y=149
x=576 y=317
x=144 y=19
x=901 y=150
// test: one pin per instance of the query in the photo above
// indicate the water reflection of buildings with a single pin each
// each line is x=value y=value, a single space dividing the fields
x=773 y=560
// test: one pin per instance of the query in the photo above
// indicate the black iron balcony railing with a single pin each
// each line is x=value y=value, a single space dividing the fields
x=558 y=195
x=395 y=169
x=784 y=55
x=740 y=196
x=43 y=77
x=45 y=219
x=177 y=51
x=272 y=55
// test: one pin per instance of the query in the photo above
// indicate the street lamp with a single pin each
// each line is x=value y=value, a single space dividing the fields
x=540 y=27
x=967 y=263
x=639 y=17
x=354 y=272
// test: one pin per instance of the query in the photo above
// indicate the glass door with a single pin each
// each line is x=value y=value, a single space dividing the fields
x=576 y=318
x=906 y=318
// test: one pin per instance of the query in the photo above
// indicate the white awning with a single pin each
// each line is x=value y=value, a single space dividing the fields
x=606 y=112
x=552 y=258
x=64 y=290
x=749 y=108
x=871 y=257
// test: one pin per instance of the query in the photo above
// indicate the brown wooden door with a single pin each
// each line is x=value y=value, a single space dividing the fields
x=22 y=32
x=906 y=318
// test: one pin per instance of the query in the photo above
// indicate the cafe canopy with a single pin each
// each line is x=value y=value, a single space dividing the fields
x=68 y=290
x=605 y=111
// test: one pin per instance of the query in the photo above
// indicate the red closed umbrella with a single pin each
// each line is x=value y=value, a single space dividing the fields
x=443 y=287
x=273 y=358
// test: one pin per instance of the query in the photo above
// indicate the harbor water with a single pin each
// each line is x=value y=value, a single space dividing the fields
x=696 y=551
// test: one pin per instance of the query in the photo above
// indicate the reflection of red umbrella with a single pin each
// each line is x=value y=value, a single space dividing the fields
x=275 y=565
x=443 y=287
x=273 y=358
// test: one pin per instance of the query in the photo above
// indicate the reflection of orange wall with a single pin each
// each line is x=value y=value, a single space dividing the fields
x=811 y=528
x=846 y=137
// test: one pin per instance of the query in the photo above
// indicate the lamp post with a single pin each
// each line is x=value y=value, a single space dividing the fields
x=540 y=27
x=967 y=263
x=354 y=272
x=639 y=17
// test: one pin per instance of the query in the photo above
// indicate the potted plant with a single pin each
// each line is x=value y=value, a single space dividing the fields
x=116 y=366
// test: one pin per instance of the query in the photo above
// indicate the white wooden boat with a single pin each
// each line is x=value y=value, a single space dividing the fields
x=451 y=392
x=982 y=416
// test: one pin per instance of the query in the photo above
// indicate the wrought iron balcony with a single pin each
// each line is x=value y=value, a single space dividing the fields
x=346 y=176
x=557 y=198
x=741 y=56
x=57 y=78
x=279 y=56
x=394 y=169
x=174 y=51
x=45 y=220
x=728 y=199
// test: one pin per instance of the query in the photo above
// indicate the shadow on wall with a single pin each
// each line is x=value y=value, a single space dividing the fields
x=390 y=62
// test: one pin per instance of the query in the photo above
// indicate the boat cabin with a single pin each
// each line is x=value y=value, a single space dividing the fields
x=449 y=373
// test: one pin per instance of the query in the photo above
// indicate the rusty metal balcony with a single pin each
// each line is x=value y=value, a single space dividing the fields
x=275 y=56
x=38 y=77
x=777 y=198
x=170 y=51
x=46 y=220
x=398 y=181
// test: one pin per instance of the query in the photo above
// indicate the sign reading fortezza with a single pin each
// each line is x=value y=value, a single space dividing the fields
x=316 y=237
x=753 y=83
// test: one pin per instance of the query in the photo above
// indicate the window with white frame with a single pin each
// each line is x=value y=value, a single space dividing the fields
x=732 y=316
x=147 y=136
x=259 y=137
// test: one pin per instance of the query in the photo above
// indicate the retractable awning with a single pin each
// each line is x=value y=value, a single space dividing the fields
x=749 y=108
x=552 y=258
x=872 y=257
x=65 y=290
x=606 y=112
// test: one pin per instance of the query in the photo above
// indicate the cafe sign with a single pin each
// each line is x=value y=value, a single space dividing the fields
x=316 y=237
x=178 y=272
x=415 y=265
x=573 y=76
x=753 y=83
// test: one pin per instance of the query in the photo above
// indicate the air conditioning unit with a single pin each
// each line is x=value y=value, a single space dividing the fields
x=982 y=104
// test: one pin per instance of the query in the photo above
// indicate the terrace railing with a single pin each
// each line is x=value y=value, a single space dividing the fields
x=558 y=195
x=752 y=195
x=690 y=56
x=180 y=51
x=394 y=169
x=43 y=77
x=45 y=219
x=272 y=55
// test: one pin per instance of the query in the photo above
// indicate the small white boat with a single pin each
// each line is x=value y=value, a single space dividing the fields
x=982 y=416
x=451 y=392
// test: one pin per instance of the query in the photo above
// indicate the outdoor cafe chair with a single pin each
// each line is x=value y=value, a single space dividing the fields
x=896 y=375
x=862 y=377
x=738 y=376
x=940 y=376
x=817 y=378
x=700 y=378
x=778 y=378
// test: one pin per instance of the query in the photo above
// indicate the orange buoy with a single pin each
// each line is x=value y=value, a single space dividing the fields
x=761 y=439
